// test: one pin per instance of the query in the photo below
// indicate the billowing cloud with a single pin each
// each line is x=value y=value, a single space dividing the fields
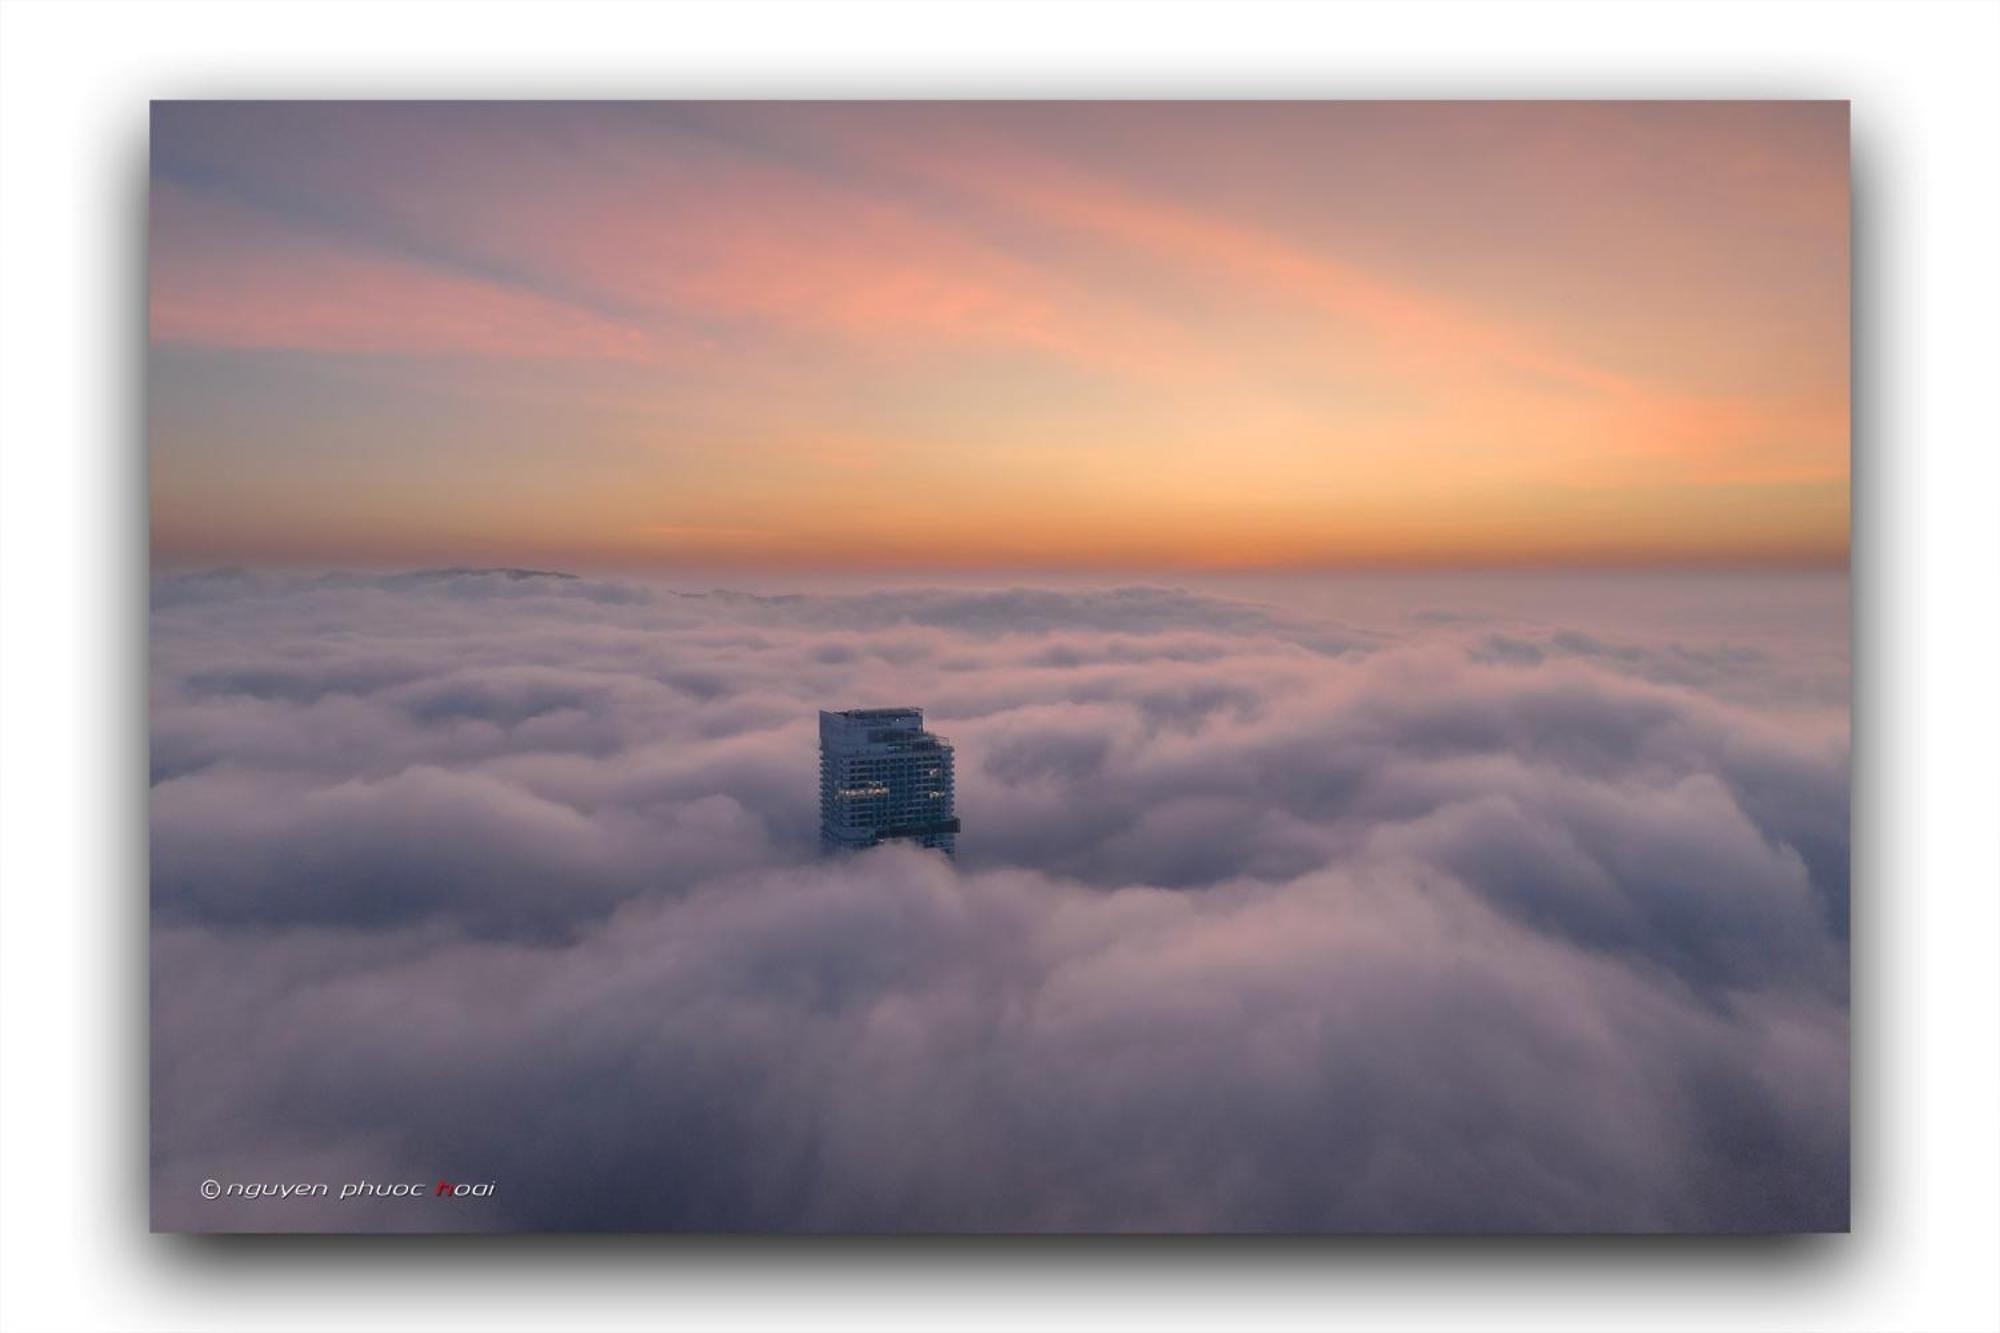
x=1261 y=920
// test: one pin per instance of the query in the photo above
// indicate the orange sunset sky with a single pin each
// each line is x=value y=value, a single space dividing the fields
x=976 y=335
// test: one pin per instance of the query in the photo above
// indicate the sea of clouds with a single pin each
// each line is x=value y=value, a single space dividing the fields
x=1264 y=918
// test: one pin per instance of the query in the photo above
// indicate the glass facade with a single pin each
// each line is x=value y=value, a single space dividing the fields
x=882 y=777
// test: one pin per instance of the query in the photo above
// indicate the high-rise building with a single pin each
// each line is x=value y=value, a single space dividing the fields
x=882 y=776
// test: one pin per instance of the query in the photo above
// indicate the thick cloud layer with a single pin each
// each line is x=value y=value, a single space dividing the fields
x=1261 y=920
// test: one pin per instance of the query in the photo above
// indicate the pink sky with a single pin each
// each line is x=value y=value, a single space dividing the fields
x=980 y=335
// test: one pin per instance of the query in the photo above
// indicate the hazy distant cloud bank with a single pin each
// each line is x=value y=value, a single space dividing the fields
x=1259 y=922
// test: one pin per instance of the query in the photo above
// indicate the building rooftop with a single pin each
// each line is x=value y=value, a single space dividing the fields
x=884 y=778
